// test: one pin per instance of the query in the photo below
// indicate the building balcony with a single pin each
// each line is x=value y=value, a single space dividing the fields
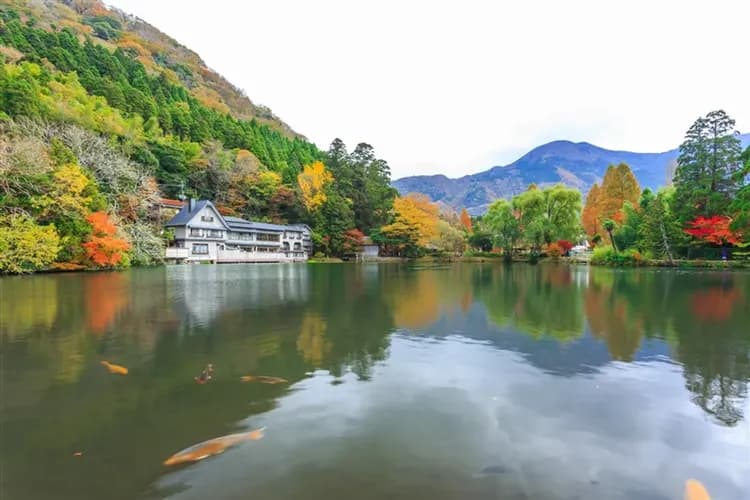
x=177 y=253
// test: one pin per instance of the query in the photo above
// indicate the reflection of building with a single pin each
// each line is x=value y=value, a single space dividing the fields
x=202 y=234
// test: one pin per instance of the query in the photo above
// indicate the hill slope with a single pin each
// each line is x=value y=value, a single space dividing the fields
x=158 y=52
x=577 y=165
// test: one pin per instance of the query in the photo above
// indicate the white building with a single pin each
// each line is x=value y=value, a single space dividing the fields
x=202 y=234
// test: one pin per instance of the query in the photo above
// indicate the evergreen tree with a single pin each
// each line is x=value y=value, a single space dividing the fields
x=707 y=177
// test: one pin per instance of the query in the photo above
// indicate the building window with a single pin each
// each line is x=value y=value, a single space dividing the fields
x=206 y=218
x=200 y=248
x=268 y=237
x=196 y=232
x=214 y=233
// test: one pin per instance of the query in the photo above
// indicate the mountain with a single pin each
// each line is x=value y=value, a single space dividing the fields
x=576 y=164
x=158 y=52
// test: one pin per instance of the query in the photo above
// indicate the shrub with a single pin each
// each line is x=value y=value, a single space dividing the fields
x=606 y=256
x=554 y=250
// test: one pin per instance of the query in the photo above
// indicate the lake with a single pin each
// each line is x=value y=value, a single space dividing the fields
x=467 y=381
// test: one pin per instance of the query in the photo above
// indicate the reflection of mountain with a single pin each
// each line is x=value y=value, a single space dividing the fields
x=585 y=354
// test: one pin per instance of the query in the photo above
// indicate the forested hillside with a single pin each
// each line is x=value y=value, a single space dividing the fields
x=102 y=114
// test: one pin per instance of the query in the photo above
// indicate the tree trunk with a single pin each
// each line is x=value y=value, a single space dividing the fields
x=612 y=240
x=665 y=242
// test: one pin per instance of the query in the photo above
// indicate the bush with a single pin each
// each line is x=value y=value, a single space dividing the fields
x=606 y=256
x=554 y=250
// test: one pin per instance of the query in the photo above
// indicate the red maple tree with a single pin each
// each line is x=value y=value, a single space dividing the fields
x=713 y=230
x=353 y=239
x=104 y=249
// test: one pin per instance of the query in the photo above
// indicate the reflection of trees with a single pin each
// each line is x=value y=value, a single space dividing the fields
x=540 y=301
x=105 y=294
x=312 y=342
x=26 y=303
x=698 y=314
x=611 y=316
x=713 y=343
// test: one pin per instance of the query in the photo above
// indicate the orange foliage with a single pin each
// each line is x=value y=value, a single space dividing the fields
x=104 y=249
x=715 y=304
x=465 y=220
x=590 y=216
x=554 y=250
x=105 y=295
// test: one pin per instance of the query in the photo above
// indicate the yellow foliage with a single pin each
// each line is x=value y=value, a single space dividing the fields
x=211 y=99
x=312 y=183
x=68 y=101
x=67 y=195
x=312 y=342
x=416 y=214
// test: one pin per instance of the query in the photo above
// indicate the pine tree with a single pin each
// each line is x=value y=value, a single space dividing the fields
x=707 y=178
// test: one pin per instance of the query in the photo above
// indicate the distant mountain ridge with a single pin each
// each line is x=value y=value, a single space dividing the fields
x=576 y=164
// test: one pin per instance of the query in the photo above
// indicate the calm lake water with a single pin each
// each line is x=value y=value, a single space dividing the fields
x=473 y=381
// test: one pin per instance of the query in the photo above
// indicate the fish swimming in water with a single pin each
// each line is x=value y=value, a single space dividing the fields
x=205 y=375
x=116 y=369
x=263 y=379
x=213 y=447
x=694 y=490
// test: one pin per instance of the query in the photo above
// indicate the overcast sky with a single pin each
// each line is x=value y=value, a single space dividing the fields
x=457 y=87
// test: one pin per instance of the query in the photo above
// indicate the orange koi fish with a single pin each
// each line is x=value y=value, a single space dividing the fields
x=212 y=447
x=694 y=490
x=116 y=369
x=263 y=379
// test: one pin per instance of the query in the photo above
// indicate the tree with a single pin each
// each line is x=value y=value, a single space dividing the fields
x=503 y=225
x=353 y=240
x=591 y=211
x=609 y=226
x=481 y=240
x=660 y=229
x=714 y=230
x=529 y=207
x=465 y=219
x=25 y=246
x=619 y=186
x=312 y=182
x=628 y=233
x=450 y=238
x=104 y=249
x=708 y=168
x=416 y=216
x=740 y=206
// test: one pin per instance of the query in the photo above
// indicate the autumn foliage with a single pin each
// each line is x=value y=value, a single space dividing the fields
x=714 y=230
x=312 y=184
x=104 y=249
x=416 y=218
x=465 y=220
x=606 y=201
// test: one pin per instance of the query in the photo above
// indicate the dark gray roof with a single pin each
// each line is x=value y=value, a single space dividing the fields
x=185 y=214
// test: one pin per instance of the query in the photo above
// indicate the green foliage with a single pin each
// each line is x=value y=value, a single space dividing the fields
x=481 y=240
x=708 y=172
x=26 y=246
x=503 y=225
x=608 y=256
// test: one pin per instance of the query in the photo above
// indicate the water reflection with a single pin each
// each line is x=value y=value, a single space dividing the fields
x=440 y=350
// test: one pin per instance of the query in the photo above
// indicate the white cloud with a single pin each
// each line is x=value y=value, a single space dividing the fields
x=455 y=87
